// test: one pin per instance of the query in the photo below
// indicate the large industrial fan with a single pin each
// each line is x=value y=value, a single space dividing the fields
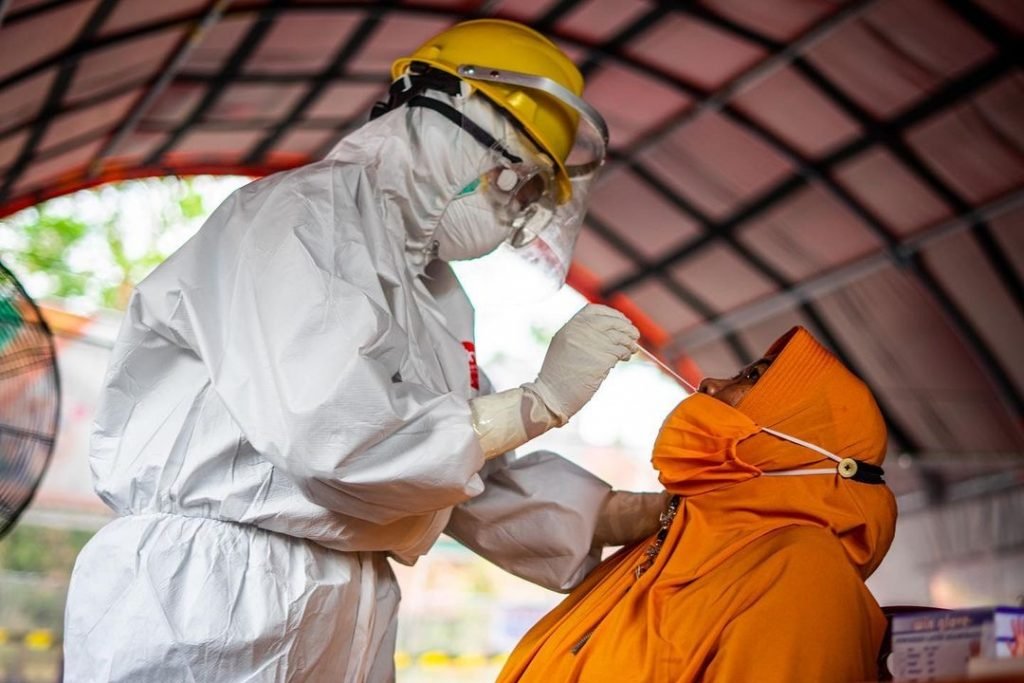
x=29 y=399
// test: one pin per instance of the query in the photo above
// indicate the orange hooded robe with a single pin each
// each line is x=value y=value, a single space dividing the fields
x=759 y=578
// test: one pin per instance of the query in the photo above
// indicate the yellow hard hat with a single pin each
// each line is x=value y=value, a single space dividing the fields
x=501 y=44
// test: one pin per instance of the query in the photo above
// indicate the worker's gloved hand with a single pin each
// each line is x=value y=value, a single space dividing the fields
x=580 y=356
x=627 y=517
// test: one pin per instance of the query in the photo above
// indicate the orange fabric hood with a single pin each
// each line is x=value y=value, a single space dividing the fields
x=707 y=447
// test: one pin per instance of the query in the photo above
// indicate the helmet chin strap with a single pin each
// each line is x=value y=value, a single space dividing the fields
x=463 y=122
x=408 y=90
x=417 y=79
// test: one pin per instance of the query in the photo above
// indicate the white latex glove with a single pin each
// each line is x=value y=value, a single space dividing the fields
x=578 y=360
x=580 y=356
x=627 y=517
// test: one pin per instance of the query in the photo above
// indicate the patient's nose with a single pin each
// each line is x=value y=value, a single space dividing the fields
x=711 y=386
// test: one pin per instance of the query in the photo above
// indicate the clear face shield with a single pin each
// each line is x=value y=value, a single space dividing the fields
x=542 y=207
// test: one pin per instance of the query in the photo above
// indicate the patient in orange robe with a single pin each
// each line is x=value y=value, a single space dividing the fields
x=779 y=514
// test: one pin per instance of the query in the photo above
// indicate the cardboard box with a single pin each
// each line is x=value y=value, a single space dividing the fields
x=934 y=646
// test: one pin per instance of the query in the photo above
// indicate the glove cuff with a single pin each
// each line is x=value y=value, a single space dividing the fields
x=539 y=389
x=498 y=422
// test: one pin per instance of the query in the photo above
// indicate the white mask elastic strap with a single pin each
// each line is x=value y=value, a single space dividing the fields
x=801 y=442
x=846 y=467
x=785 y=473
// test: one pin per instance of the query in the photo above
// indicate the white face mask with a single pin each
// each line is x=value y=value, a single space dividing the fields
x=469 y=228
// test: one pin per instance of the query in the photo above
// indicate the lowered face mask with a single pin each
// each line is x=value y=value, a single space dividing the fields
x=697 y=450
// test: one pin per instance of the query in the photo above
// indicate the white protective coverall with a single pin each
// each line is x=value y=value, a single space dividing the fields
x=286 y=408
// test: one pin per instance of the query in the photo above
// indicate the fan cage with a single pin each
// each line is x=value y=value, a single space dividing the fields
x=29 y=399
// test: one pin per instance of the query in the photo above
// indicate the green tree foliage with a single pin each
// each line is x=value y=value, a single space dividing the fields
x=94 y=246
x=41 y=550
x=48 y=240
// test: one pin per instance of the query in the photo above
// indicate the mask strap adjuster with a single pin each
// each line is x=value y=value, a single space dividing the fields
x=847 y=468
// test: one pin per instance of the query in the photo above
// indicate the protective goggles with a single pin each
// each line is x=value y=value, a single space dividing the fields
x=541 y=200
x=544 y=200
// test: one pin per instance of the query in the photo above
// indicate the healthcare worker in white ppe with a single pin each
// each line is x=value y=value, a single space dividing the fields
x=293 y=399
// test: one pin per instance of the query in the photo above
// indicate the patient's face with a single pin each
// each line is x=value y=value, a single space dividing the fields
x=733 y=389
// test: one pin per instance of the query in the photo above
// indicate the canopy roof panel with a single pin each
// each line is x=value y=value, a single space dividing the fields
x=855 y=167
